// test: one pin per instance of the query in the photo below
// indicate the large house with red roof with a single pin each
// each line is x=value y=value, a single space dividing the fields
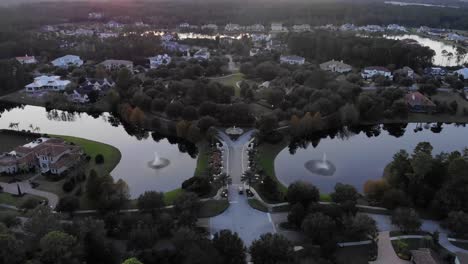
x=419 y=103
x=49 y=155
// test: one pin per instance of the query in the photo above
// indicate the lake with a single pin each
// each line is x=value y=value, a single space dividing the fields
x=440 y=59
x=136 y=152
x=359 y=157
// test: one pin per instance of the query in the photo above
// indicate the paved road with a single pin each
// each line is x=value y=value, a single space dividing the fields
x=26 y=188
x=240 y=217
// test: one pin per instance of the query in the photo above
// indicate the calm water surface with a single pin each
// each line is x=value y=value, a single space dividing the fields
x=133 y=168
x=438 y=46
x=359 y=157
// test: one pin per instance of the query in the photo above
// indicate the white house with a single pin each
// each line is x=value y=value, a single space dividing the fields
x=278 y=27
x=159 y=60
x=463 y=72
x=202 y=54
x=253 y=52
x=104 y=35
x=117 y=64
x=67 y=61
x=210 y=27
x=95 y=15
x=184 y=25
x=232 y=27
x=49 y=83
x=372 y=71
x=114 y=24
x=396 y=27
x=347 y=27
x=336 y=66
x=27 y=59
x=301 y=28
x=292 y=59
x=256 y=28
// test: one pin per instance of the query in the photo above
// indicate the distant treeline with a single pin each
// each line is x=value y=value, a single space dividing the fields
x=171 y=13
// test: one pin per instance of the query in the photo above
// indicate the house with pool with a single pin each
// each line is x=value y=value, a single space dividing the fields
x=48 y=155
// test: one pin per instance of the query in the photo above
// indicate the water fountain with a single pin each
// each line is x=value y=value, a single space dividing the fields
x=321 y=167
x=158 y=162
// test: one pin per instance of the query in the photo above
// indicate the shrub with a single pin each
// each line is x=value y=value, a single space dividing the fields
x=99 y=159
x=29 y=203
x=68 y=186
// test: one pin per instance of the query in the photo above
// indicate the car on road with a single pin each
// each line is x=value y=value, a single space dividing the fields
x=241 y=190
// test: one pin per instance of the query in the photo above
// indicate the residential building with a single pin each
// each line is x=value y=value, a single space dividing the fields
x=184 y=25
x=67 y=61
x=104 y=35
x=463 y=72
x=408 y=72
x=435 y=71
x=260 y=37
x=301 y=28
x=84 y=93
x=50 y=155
x=253 y=52
x=159 y=60
x=256 y=28
x=372 y=28
x=419 y=103
x=95 y=15
x=27 y=59
x=347 y=27
x=292 y=59
x=278 y=27
x=336 y=66
x=114 y=24
x=455 y=37
x=211 y=27
x=47 y=83
x=372 y=71
x=232 y=27
x=174 y=46
x=202 y=54
x=117 y=64
x=167 y=37
x=395 y=27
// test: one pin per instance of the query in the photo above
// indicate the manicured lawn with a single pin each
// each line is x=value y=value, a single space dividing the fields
x=231 y=80
x=212 y=208
x=170 y=196
x=9 y=199
x=256 y=204
x=92 y=148
x=416 y=243
x=203 y=157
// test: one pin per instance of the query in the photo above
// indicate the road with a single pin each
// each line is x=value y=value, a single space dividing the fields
x=247 y=222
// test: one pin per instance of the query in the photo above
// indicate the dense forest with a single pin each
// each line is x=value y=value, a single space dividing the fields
x=171 y=13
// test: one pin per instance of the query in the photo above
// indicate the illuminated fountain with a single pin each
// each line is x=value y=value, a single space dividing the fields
x=321 y=167
x=158 y=162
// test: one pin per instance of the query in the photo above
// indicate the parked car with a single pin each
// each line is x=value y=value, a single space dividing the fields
x=241 y=190
x=249 y=193
x=224 y=193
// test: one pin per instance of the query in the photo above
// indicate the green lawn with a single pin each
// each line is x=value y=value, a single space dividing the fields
x=212 y=208
x=256 y=204
x=203 y=157
x=9 y=199
x=92 y=148
x=170 y=196
x=231 y=80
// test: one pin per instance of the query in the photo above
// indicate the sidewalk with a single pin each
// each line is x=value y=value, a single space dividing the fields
x=386 y=253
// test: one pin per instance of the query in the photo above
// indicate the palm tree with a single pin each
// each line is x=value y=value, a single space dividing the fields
x=249 y=177
x=224 y=179
x=14 y=125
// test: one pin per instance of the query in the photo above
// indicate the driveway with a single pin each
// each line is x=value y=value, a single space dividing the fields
x=26 y=188
x=386 y=254
x=240 y=217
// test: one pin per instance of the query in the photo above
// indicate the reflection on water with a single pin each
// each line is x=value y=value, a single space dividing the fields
x=445 y=54
x=137 y=147
x=361 y=154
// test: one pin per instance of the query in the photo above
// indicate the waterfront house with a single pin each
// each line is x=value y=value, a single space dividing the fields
x=278 y=27
x=104 y=35
x=49 y=155
x=372 y=71
x=396 y=27
x=463 y=72
x=202 y=54
x=174 y=46
x=336 y=66
x=435 y=71
x=211 y=27
x=47 y=83
x=159 y=60
x=419 y=103
x=67 y=61
x=301 y=28
x=292 y=59
x=95 y=15
x=114 y=24
x=27 y=59
x=117 y=64
x=347 y=27
x=255 y=28
x=232 y=27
